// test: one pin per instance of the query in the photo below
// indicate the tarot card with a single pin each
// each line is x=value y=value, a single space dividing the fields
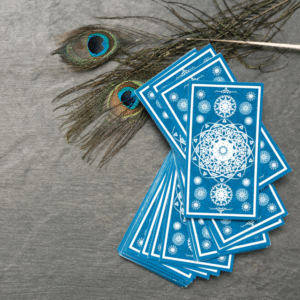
x=222 y=151
x=271 y=209
x=152 y=104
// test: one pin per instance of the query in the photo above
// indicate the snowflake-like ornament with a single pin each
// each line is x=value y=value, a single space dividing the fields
x=165 y=115
x=264 y=157
x=196 y=204
x=173 y=97
x=217 y=70
x=182 y=104
x=227 y=230
x=200 y=193
x=222 y=258
x=248 y=121
x=273 y=165
x=140 y=242
x=242 y=195
x=206 y=244
x=172 y=250
x=245 y=108
x=204 y=106
x=200 y=94
x=178 y=238
x=263 y=199
x=177 y=225
x=199 y=119
x=201 y=222
x=246 y=206
x=246 y=182
x=250 y=96
x=225 y=106
x=151 y=95
x=197 y=180
x=272 y=208
x=221 y=194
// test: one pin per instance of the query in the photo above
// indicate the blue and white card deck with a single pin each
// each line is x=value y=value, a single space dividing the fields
x=213 y=196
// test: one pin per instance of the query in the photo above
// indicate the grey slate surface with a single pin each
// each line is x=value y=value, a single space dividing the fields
x=61 y=220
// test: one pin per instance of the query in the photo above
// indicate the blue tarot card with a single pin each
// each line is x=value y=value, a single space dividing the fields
x=271 y=209
x=153 y=247
x=182 y=70
x=273 y=164
x=130 y=245
x=174 y=97
x=176 y=246
x=223 y=151
x=151 y=103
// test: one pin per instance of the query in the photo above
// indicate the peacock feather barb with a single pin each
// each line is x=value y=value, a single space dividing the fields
x=107 y=114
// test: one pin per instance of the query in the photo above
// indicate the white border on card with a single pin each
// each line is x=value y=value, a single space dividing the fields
x=145 y=216
x=254 y=226
x=278 y=156
x=187 y=78
x=256 y=148
x=180 y=69
x=156 y=213
x=186 y=260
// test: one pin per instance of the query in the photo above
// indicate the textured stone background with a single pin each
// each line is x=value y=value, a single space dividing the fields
x=61 y=220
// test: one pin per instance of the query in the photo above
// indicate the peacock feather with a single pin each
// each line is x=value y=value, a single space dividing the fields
x=107 y=114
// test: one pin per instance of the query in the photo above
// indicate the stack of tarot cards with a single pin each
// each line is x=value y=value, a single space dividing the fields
x=213 y=196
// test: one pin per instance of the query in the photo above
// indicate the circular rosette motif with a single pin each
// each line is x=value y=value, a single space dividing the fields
x=223 y=151
x=221 y=194
x=225 y=106
x=178 y=238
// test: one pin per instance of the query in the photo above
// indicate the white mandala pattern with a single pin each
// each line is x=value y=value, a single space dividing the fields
x=217 y=70
x=262 y=144
x=182 y=104
x=204 y=106
x=264 y=157
x=200 y=193
x=272 y=208
x=246 y=206
x=223 y=151
x=177 y=225
x=206 y=244
x=165 y=115
x=225 y=222
x=200 y=94
x=219 y=79
x=185 y=117
x=245 y=108
x=225 y=106
x=173 y=97
x=140 y=242
x=199 y=119
x=250 y=96
x=242 y=195
x=201 y=222
x=221 y=194
x=178 y=239
x=196 y=204
x=205 y=232
x=263 y=199
x=172 y=250
x=227 y=230
x=248 y=121
x=151 y=95
x=273 y=165
x=222 y=258
x=246 y=182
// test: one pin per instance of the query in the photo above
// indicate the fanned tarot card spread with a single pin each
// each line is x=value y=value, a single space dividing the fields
x=147 y=95
x=271 y=210
x=222 y=150
x=176 y=246
x=130 y=245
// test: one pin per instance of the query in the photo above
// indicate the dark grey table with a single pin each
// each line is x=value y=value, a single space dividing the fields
x=61 y=220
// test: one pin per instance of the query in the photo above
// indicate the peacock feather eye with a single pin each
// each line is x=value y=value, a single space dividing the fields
x=122 y=101
x=88 y=49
